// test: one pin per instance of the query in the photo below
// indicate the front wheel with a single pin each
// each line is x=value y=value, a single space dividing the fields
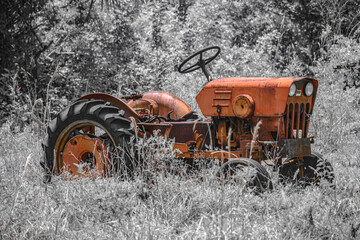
x=88 y=138
x=316 y=169
x=246 y=172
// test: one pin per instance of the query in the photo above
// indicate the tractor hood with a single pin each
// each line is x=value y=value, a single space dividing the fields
x=266 y=96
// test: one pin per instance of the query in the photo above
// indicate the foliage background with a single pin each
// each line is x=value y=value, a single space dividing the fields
x=70 y=48
x=54 y=51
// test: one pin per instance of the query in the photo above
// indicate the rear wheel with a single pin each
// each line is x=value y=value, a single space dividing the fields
x=317 y=169
x=89 y=138
x=246 y=172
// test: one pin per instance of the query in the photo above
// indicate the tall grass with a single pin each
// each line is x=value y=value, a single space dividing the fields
x=172 y=206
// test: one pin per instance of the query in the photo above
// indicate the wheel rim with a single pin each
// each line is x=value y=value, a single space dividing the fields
x=85 y=157
x=93 y=136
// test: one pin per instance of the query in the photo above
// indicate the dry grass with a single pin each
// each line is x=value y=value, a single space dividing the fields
x=174 y=207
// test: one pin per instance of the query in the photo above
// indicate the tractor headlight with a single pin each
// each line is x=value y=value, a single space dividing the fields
x=243 y=106
x=309 y=89
x=292 y=90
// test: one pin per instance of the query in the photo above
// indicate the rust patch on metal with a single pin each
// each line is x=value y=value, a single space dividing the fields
x=168 y=104
x=163 y=129
x=295 y=148
x=147 y=104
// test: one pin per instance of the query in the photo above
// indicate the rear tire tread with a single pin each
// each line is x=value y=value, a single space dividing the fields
x=95 y=110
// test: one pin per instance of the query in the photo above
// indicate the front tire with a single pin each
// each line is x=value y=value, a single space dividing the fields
x=317 y=169
x=236 y=171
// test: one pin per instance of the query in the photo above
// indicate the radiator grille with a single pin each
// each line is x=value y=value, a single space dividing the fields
x=296 y=120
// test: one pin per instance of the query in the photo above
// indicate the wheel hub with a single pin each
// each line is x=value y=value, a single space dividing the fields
x=84 y=156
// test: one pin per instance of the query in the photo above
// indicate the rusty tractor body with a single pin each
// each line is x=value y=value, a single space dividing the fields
x=247 y=122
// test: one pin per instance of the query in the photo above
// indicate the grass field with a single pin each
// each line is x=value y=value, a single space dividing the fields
x=195 y=207
x=174 y=207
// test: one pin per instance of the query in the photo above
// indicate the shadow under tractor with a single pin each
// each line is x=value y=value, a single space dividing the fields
x=249 y=122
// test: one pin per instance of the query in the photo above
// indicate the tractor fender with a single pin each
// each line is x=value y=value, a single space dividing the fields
x=129 y=112
x=164 y=104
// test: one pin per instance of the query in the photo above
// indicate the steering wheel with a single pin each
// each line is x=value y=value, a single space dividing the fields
x=201 y=63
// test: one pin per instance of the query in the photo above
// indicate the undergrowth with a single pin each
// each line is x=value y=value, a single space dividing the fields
x=172 y=206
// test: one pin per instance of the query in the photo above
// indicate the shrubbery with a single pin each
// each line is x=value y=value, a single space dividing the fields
x=122 y=47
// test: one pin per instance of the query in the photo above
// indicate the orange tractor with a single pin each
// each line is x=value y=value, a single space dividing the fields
x=249 y=122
